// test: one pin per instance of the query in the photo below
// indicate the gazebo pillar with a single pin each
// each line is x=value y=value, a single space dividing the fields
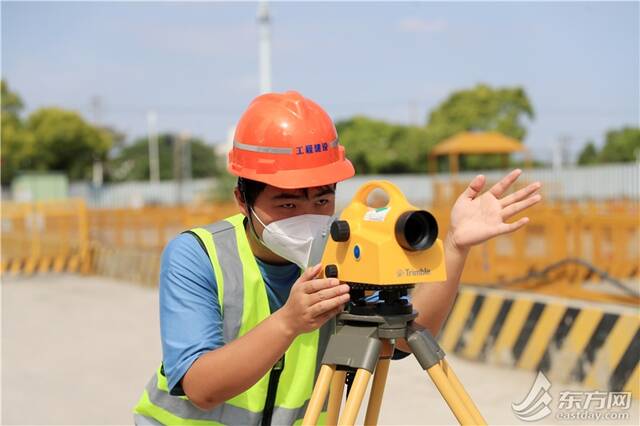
x=453 y=164
x=504 y=160
x=433 y=164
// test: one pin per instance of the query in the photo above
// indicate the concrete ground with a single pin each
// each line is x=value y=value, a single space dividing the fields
x=78 y=350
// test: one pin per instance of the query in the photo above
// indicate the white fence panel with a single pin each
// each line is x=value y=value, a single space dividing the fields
x=612 y=181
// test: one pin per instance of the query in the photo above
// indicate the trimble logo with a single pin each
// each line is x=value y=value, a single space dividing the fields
x=406 y=272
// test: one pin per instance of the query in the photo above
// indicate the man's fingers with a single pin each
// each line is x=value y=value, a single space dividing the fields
x=499 y=188
x=327 y=316
x=332 y=313
x=520 y=194
x=314 y=286
x=325 y=306
x=329 y=293
x=337 y=310
x=506 y=228
x=310 y=273
x=516 y=208
x=475 y=186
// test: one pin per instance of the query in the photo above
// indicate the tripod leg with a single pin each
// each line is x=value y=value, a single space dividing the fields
x=377 y=390
x=466 y=399
x=335 y=397
x=319 y=395
x=351 y=408
x=449 y=394
x=431 y=358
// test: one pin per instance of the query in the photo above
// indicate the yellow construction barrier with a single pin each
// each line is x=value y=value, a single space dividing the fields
x=127 y=243
x=595 y=344
x=563 y=246
x=151 y=227
x=50 y=236
x=63 y=236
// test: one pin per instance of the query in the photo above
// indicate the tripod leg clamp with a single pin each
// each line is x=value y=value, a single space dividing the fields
x=425 y=348
x=355 y=347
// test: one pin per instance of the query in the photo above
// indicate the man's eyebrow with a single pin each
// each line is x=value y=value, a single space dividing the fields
x=325 y=191
x=287 y=196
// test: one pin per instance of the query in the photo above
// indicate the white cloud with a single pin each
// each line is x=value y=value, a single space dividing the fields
x=419 y=25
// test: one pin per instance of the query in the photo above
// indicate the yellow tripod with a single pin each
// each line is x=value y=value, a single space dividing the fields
x=357 y=344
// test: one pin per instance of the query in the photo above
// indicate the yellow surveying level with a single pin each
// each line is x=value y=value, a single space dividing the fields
x=388 y=249
x=386 y=246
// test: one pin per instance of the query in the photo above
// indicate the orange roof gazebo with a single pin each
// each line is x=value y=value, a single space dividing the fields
x=473 y=143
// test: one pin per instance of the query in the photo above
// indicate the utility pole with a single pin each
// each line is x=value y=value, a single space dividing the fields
x=561 y=152
x=154 y=160
x=177 y=167
x=186 y=155
x=98 y=173
x=264 y=29
x=181 y=164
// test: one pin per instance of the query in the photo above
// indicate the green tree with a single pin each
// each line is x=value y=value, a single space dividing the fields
x=11 y=102
x=65 y=142
x=49 y=139
x=17 y=148
x=132 y=162
x=375 y=146
x=588 y=155
x=621 y=145
x=17 y=142
x=481 y=108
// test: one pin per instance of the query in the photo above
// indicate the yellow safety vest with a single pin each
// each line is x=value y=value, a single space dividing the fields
x=244 y=304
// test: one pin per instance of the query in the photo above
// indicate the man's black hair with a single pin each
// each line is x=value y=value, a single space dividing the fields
x=250 y=189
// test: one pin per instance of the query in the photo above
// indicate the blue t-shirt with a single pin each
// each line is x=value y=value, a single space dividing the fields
x=190 y=318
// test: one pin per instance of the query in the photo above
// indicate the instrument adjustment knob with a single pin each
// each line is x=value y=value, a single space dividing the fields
x=331 y=271
x=340 y=231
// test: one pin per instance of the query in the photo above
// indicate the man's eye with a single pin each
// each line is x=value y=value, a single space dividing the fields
x=288 y=206
x=322 y=202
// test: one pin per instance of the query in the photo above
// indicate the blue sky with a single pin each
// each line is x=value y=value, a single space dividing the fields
x=196 y=64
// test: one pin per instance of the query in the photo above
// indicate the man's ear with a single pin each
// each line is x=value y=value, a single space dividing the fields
x=240 y=201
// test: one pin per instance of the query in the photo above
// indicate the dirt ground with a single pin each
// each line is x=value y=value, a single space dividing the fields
x=79 y=350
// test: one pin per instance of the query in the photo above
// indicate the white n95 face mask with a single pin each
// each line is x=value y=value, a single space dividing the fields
x=299 y=239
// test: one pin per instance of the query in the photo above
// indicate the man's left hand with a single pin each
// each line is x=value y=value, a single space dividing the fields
x=477 y=217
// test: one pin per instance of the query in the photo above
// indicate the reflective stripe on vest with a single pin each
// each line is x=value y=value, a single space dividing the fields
x=230 y=284
x=244 y=304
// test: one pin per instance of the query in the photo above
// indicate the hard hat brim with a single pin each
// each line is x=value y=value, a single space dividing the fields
x=303 y=178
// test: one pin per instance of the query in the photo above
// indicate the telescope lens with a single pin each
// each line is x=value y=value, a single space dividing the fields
x=416 y=230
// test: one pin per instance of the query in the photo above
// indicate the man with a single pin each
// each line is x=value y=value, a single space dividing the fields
x=243 y=330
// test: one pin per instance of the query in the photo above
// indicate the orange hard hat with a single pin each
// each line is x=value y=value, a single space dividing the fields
x=288 y=141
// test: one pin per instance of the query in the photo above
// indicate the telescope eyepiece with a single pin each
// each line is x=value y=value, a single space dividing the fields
x=416 y=230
